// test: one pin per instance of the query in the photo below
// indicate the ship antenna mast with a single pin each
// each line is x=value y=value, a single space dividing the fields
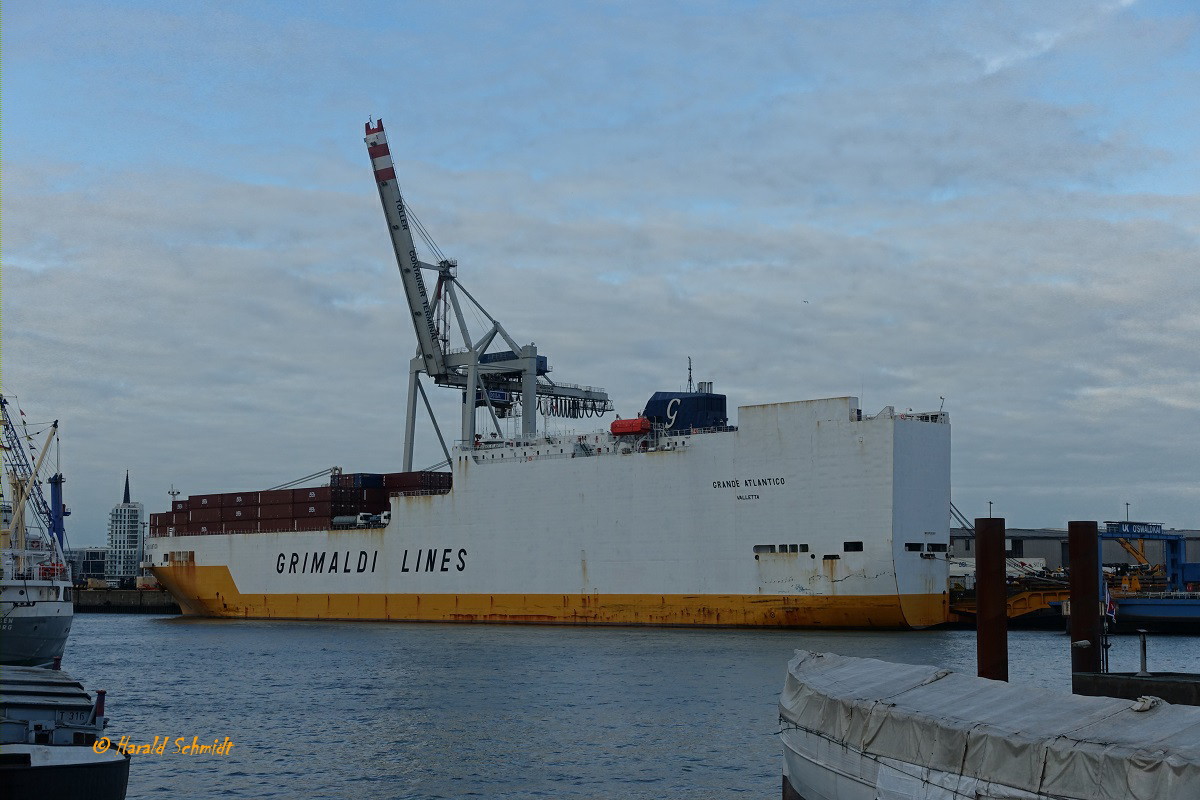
x=512 y=382
x=691 y=386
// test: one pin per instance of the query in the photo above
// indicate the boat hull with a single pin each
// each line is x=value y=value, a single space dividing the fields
x=34 y=627
x=211 y=591
x=63 y=772
x=806 y=515
x=816 y=768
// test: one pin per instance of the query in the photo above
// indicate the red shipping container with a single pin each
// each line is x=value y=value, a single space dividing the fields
x=312 y=494
x=235 y=513
x=310 y=510
x=179 y=505
x=274 y=497
x=180 y=518
x=417 y=480
x=402 y=480
x=204 y=501
x=203 y=528
x=240 y=499
x=276 y=525
x=359 y=495
x=204 y=515
x=275 y=512
x=242 y=526
x=159 y=519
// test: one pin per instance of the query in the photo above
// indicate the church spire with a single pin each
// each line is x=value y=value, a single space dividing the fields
x=126 y=486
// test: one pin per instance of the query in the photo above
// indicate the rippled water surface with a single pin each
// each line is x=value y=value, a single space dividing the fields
x=387 y=710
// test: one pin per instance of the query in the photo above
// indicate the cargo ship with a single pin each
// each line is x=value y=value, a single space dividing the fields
x=803 y=514
x=36 y=608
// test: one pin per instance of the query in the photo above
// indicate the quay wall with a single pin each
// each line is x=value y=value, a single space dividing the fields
x=125 y=601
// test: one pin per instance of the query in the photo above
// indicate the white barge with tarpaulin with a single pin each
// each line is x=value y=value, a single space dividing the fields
x=863 y=729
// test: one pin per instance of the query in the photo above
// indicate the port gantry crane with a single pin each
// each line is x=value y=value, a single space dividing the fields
x=506 y=382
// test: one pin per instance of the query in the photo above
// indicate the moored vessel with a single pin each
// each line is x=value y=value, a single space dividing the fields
x=52 y=743
x=35 y=583
x=807 y=513
x=861 y=729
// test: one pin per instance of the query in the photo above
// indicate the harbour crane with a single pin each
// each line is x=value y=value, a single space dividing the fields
x=508 y=382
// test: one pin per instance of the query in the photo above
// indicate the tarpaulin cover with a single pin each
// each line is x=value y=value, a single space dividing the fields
x=1041 y=741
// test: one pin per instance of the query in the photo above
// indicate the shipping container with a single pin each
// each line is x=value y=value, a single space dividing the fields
x=240 y=499
x=201 y=528
x=417 y=480
x=309 y=510
x=274 y=497
x=276 y=525
x=179 y=518
x=204 y=501
x=358 y=495
x=233 y=513
x=242 y=526
x=204 y=515
x=311 y=494
x=179 y=505
x=157 y=520
x=280 y=511
x=358 y=480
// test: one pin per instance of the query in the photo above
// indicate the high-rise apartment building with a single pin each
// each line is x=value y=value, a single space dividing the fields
x=124 y=540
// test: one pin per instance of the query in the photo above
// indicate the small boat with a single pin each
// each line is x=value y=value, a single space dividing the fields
x=52 y=743
x=863 y=729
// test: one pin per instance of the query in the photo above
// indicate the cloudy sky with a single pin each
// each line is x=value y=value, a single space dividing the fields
x=998 y=204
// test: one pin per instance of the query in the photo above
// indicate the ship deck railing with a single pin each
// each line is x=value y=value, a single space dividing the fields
x=571 y=439
x=35 y=559
x=690 y=431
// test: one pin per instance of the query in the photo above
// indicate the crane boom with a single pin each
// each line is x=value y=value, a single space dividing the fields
x=512 y=382
x=406 y=251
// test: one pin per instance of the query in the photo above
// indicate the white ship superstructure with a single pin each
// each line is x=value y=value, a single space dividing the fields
x=806 y=514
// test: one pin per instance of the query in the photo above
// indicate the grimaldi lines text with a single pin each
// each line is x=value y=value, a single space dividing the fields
x=846 y=526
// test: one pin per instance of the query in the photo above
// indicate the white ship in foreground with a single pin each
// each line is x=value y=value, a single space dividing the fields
x=805 y=514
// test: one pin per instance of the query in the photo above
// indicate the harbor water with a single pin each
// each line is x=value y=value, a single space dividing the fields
x=388 y=710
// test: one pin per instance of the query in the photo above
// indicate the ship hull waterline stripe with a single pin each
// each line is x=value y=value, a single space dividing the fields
x=210 y=591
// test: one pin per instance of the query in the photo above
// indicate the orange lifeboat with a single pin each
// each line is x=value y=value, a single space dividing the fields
x=630 y=427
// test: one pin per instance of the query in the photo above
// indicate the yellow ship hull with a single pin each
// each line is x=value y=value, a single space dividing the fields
x=210 y=591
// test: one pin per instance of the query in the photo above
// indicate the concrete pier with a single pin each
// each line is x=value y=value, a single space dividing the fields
x=125 y=601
